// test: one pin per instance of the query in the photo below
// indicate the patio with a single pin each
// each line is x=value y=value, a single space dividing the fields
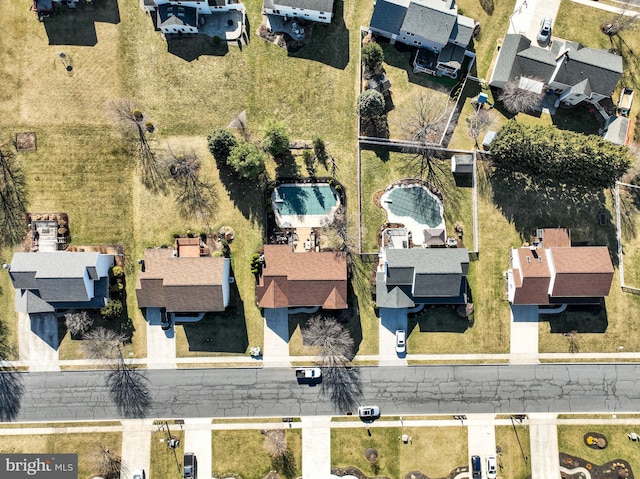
x=227 y=25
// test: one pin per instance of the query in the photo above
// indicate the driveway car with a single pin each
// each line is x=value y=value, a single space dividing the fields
x=138 y=474
x=401 y=344
x=476 y=467
x=545 y=30
x=165 y=319
x=492 y=472
x=369 y=412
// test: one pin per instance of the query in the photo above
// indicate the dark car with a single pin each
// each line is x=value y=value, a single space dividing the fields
x=165 y=319
x=476 y=467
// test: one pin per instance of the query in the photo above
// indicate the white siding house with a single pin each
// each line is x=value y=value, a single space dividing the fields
x=312 y=10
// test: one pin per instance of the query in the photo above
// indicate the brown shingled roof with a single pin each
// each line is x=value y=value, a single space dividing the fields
x=555 y=237
x=533 y=277
x=302 y=279
x=582 y=272
x=181 y=284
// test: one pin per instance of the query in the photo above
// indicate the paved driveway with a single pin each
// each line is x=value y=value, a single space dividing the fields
x=391 y=319
x=38 y=341
x=524 y=334
x=161 y=345
x=481 y=435
x=543 y=434
x=528 y=14
x=198 y=441
x=276 y=337
x=136 y=448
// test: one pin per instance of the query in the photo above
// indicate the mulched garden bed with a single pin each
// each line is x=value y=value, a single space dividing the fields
x=616 y=469
x=354 y=471
x=595 y=440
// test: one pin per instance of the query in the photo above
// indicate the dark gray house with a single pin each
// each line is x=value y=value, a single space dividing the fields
x=46 y=282
x=413 y=276
x=570 y=71
x=440 y=35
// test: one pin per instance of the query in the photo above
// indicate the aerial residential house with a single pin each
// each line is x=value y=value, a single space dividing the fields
x=570 y=71
x=185 y=279
x=222 y=18
x=47 y=282
x=551 y=271
x=408 y=277
x=313 y=10
x=308 y=279
x=440 y=35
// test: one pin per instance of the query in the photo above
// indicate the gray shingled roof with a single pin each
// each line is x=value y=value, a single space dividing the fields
x=54 y=277
x=388 y=16
x=391 y=296
x=29 y=302
x=427 y=22
x=317 y=5
x=617 y=130
x=462 y=31
x=507 y=67
x=518 y=58
x=168 y=15
x=429 y=260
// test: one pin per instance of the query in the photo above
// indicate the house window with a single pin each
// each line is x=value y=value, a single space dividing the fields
x=323 y=18
x=306 y=14
x=321 y=13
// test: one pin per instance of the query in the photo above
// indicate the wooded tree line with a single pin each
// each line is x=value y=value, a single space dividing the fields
x=568 y=157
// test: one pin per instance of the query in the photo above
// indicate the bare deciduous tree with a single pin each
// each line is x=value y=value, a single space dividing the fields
x=477 y=123
x=427 y=164
x=424 y=117
x=340 y=382
x=13 y=199
x=78 y=322
x=128 y=117
x=626 y=19
x=107 y=464
x=519 y=100
x=275 y=444
x=127 y=386
x=195 y=198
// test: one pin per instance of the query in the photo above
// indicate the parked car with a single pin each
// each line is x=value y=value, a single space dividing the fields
x=492 y=471
x=369 y=412
x=545 y=30
x=138 y=474
x=165 y=319
x=476 y=467
x=401 y=344
x=308 y=374
x=190 y=467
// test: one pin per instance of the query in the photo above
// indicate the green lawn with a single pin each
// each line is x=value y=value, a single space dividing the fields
x=434 y=451
x=166 y=463
x=243 y=453
x=515 y=452
x=571 y=441
x=62 y=443
x=82 y=167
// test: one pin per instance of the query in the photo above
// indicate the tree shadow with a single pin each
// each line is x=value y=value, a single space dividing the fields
x=11 y=384
x=328 y=43
x=129 y=391
x=77 y=26
x=535 y=203
x=224 y=332
x=580 y=318
x=439 y=319
x=286 y=166
x=343 y=386
x=581 y=119
x=286 y=464
x=191 y=47
x=247 y=195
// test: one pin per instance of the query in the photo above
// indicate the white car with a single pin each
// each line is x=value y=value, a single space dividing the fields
x=492 y=472
x=545 y=30
x=369 y=412
x=401 y=341
x=138 y=474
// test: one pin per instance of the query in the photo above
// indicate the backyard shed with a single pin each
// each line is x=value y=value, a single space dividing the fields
x=462 y=164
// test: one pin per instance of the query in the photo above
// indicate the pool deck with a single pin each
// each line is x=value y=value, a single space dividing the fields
x=304 y=220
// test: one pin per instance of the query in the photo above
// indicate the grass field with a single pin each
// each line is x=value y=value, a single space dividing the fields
x=166 y=463
x=81 y=444
x=434 y=451
x=82 y=166
x=242 y=453
x=515 y=452
x=571 y=441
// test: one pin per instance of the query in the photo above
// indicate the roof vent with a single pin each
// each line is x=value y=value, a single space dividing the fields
x=528 y=259
x=539 y=259
x=175 y=253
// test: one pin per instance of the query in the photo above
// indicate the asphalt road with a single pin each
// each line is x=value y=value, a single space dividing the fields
x=79 y=395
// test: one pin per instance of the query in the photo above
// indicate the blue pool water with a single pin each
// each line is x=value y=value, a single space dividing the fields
x=308 y=199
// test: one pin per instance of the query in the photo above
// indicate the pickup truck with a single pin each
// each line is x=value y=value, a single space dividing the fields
x=308 y=373
x=190 y=468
